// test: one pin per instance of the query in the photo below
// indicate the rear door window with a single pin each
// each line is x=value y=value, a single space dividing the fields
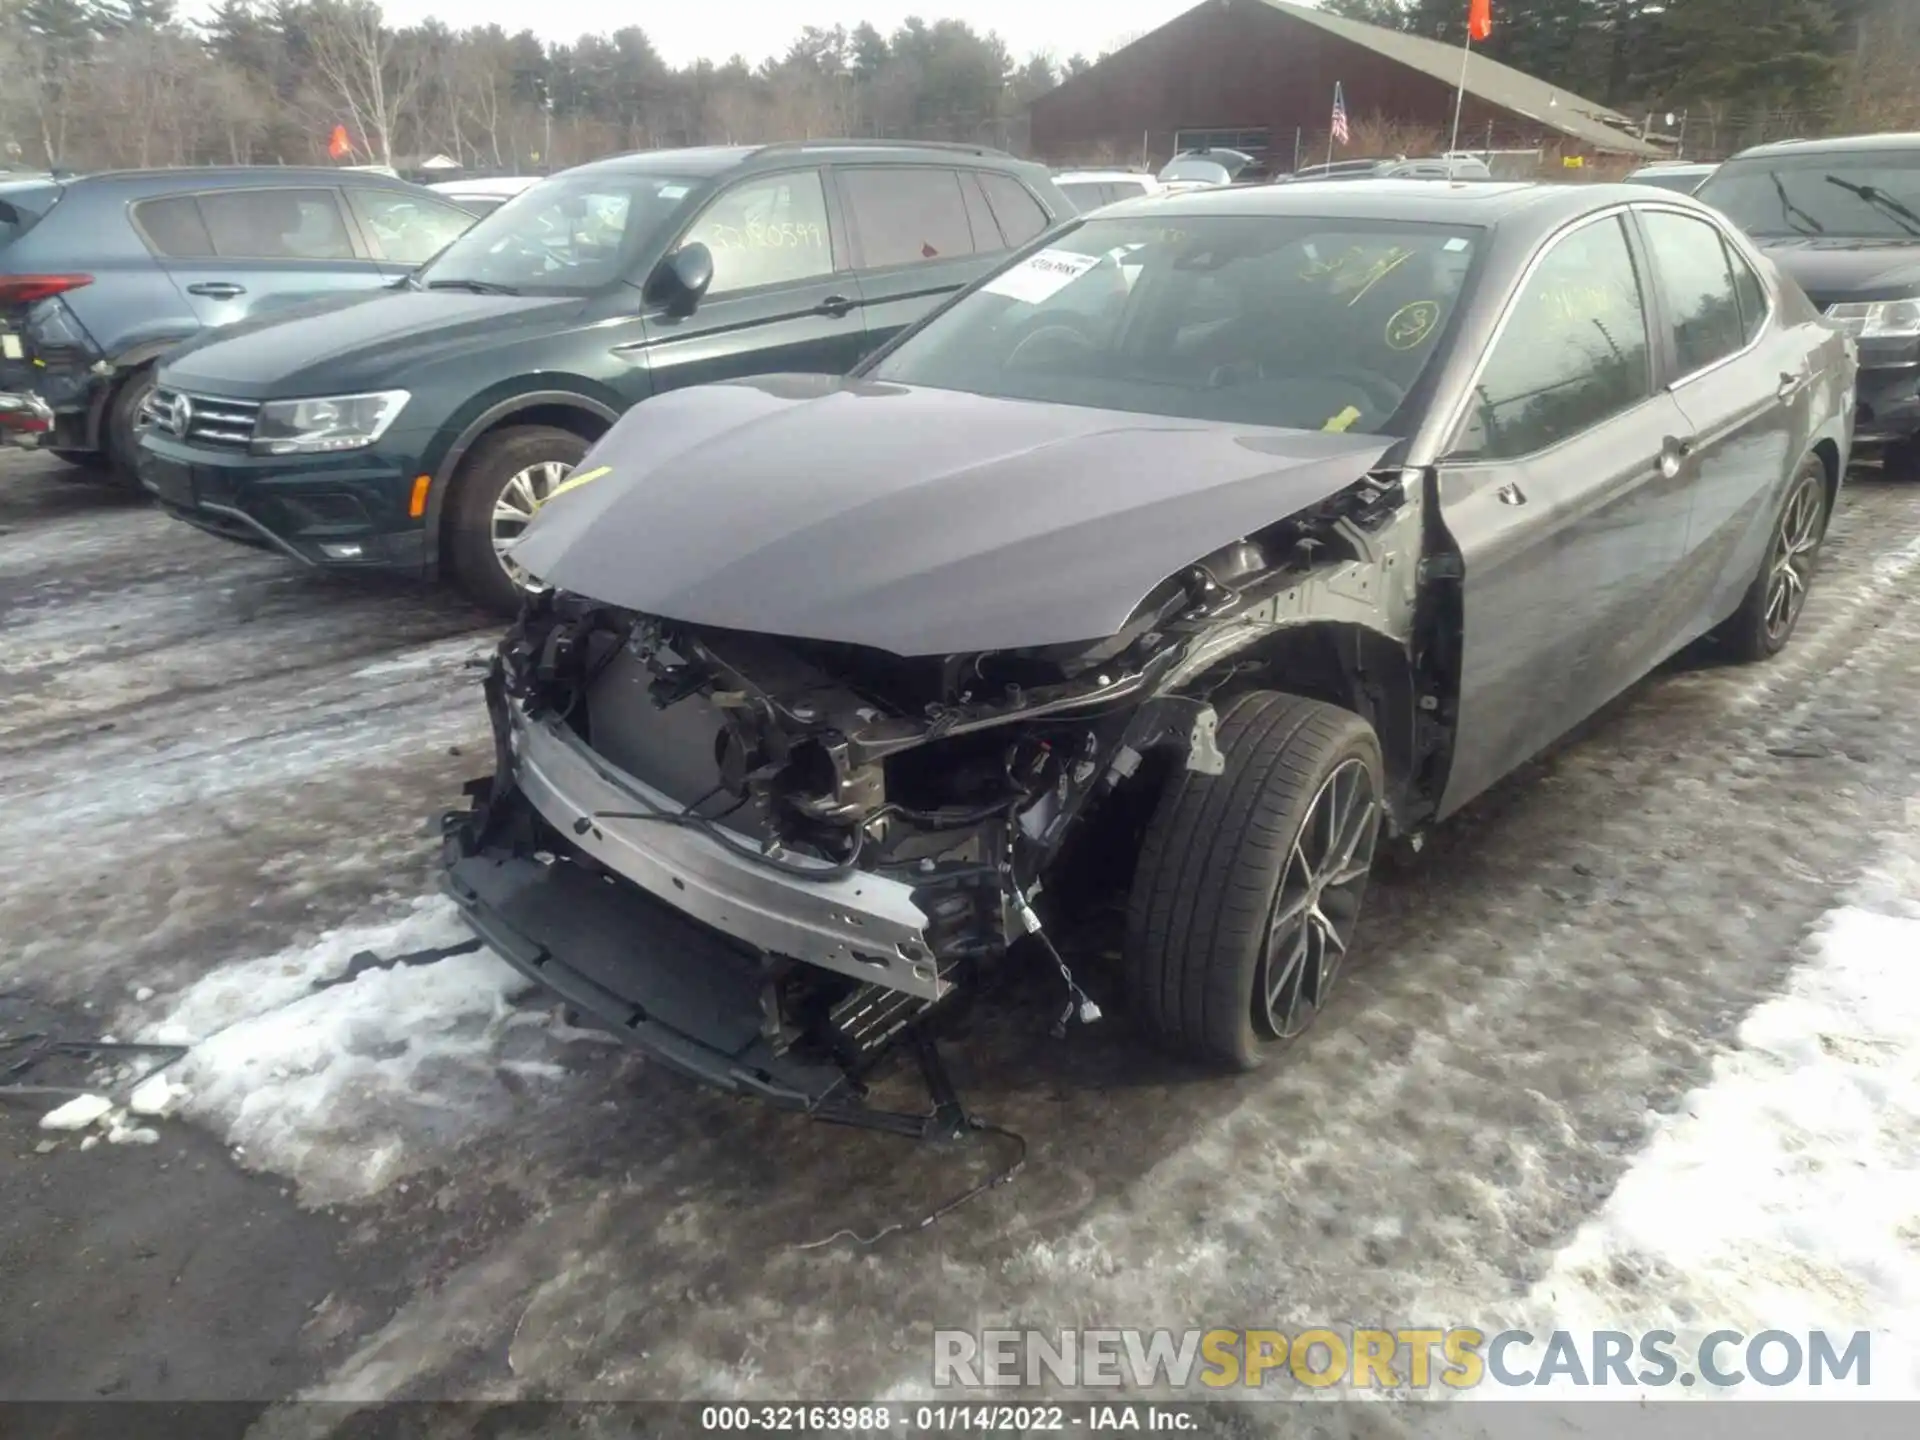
x=1696 y=284
x=173 y=227
x=907 y=215
x=409 y=229
x=1019 y=214
x=276 y=225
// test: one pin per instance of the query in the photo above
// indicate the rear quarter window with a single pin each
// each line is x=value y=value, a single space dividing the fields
x=1019 y=214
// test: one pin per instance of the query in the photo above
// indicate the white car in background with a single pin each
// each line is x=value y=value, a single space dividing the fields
x=484 y=196
x=1090 y=189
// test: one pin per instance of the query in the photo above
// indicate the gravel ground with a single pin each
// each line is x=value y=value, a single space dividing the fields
x=218 y=774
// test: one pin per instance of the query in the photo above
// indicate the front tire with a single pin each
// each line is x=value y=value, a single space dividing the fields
x=1250 y=883
x=501 y=484
x=1769 y=613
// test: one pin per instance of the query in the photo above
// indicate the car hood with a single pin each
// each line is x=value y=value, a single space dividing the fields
x=358 y=342
x=1835 y=270
x=920 y=522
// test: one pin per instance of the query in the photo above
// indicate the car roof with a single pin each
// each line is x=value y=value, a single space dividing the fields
x=706 y=161
x=1069 y=176
x=1479 y=202
x=1836 y=145
x=225 y=177
x=489 y=185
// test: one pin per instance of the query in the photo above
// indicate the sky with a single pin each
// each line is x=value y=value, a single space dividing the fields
x=758 y=29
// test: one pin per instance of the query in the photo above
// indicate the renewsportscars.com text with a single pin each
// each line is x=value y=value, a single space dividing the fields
x=1416 y=1358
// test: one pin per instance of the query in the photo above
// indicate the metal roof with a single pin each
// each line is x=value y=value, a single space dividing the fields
x=1488 y=80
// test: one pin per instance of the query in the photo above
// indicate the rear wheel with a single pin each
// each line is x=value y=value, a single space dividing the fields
x=121 y=438
x=1770 y=611
x=1250 y=882
x=502 y=483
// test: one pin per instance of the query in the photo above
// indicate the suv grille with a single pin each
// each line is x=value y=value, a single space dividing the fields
x=201 y=419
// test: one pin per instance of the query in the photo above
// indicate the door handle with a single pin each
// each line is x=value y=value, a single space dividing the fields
x=1511 y=495
x=835 y=305
x=1674 y=453
x=1790 y=386
x=217 y=289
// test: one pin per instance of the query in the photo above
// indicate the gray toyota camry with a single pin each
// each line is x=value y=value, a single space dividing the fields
x=1168 y=571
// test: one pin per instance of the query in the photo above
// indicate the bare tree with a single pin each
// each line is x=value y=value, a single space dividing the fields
x=362 y=69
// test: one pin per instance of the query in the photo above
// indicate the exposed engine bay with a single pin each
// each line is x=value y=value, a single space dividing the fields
x=875 y=833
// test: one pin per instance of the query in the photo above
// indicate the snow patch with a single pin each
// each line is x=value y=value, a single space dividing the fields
x=77 y=1114
x=347 y=1089
x=1784 y=1194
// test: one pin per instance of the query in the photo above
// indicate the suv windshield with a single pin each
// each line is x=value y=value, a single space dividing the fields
x=1853 y=197
x=1255 y=320
x=568 y=235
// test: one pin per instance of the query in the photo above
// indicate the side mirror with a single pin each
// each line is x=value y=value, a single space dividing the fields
x=680 y=280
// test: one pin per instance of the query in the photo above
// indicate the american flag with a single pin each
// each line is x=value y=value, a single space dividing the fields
x=1341 y=133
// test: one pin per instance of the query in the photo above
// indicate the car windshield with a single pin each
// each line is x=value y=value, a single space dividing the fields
x=1259 y=320
x=1853 y=197
x=568 y=235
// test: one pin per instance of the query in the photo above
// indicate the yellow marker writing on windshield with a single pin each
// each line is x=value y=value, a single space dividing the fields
x=1339 y=424
x=574 y=482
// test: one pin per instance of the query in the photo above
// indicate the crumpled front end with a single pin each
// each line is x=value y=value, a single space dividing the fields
x=769 y=860
x=766 y=860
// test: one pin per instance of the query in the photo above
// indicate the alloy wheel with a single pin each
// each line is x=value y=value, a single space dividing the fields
x=1795 y=545
x=520 y=499
x=1317 y=906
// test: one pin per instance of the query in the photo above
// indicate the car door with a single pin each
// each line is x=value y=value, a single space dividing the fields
x=783 y=295
x=404 y=230
x=240 y=253
x=913 y=240
x=1743 y=383
x=1566 y=490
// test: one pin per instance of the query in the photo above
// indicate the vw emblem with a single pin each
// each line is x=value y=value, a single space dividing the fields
x=181 y=415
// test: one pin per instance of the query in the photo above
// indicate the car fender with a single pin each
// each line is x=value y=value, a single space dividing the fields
x=471 y=426
x=129 y=355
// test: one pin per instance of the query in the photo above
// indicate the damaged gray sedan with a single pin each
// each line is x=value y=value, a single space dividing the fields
x=1172 y=569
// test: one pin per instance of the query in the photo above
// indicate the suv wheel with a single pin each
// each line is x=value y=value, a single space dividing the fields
x=1250 y=882
x=504 y=480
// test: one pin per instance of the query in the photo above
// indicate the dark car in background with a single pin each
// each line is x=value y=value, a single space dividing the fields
x=1842 y=217
x=102 y=274
x=1168 y=597
x=420 y=430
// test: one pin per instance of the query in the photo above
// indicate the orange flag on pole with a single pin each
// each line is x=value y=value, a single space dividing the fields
x=1480 y=19
x=339 y=147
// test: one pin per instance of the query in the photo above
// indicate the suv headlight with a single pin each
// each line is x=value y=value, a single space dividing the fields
x=1879 y=319
x=330 y=422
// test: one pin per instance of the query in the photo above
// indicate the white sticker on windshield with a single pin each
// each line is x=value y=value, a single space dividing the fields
x=11 y=348
x=1457 y=243
x=1039 y=276
x=672 y=192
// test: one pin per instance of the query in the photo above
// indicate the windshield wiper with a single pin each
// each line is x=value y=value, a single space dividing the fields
x=1880 y=200
x=478 y=287
x=1795 y=216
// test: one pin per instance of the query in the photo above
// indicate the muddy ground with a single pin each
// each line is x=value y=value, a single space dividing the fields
x=209 y=758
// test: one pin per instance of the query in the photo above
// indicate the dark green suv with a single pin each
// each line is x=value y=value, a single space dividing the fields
x=420 y=427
